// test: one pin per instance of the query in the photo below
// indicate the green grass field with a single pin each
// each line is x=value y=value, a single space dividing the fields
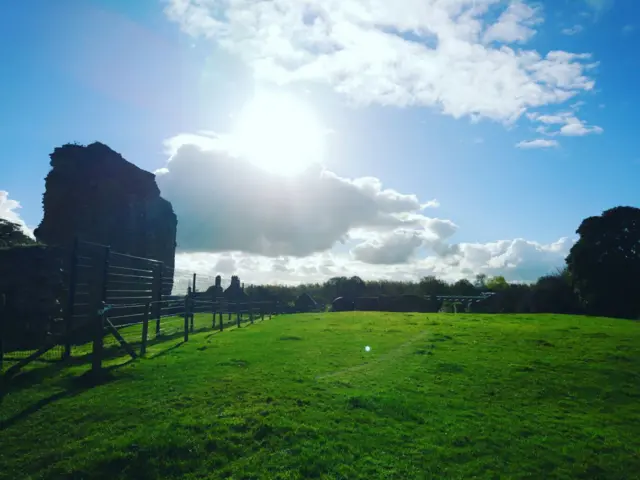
x=438 y=396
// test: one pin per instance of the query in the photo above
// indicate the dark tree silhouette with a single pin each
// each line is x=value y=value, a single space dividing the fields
x=605 y=263
x=11 y=234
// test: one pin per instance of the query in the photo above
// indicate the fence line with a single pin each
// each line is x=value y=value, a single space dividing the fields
x=115 y=300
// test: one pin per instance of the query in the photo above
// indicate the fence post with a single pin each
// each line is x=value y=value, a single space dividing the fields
x=221 y=317
x=262 y=311
x=193 y=295
x=3 y=303
x=238 y=314
x=158 y=295
x=71 y=300
x=250 y=311
x=213 y=311
x=145 y=329
x=98 y=335
x=186 y=314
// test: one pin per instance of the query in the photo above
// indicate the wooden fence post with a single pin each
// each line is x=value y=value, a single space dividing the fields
x=250 y=311
x=213 y=311
x=158 y=295
x=238 y=314
x=193 y=295
x=98 y=334
x=3 y=303
x=71 y=300
x=262 y=311
x=145 y=329
x=221 y=317
x=187 y=314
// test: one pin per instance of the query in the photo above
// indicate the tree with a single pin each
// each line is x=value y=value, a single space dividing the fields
x=481 y=281
x=604 y=264
x=433 y=286
x=496 y=284
x=554 y=294
x=11 y=234
x=463 y=287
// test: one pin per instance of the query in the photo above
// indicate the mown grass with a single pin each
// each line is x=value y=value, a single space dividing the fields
x=438 y=396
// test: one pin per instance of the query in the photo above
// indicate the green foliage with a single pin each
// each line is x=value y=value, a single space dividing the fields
x=11 y=235
x=475 y=396
x=604 y=264
x=497 y=284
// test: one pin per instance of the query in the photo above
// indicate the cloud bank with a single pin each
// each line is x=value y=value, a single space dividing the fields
x=235 y=218
x=465 y=58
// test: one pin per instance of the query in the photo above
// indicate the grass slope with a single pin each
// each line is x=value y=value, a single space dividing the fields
x=438 y=396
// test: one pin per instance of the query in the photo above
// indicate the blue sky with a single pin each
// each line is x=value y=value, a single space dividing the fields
x=135 y=74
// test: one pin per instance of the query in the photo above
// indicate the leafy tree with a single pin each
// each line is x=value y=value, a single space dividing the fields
x=605 y=263
x=496 y=284
x=554 y=294
x=433 y=286
x=481 y=281
x=463 y=287
x=11 y=234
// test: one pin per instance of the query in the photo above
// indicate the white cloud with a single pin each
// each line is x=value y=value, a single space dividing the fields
x=235 y=219
x=518 y=260
x=514 y=25
x=403 y=245
x=537 y=143
x=572 y=30
x=577 y=128
x=225 y=203
x=409 y=52
x=571 y=125
x=9 y=211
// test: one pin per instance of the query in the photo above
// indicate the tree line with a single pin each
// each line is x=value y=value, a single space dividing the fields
x=600 y=276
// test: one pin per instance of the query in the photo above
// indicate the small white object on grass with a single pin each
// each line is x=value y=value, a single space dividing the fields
x=367 y=348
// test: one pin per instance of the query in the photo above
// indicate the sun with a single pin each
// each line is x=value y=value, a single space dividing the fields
x=279 y=133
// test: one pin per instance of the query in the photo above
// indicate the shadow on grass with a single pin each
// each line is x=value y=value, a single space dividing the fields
x=74 y=386
x=27 y=378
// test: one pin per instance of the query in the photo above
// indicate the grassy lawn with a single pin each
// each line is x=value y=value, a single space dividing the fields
x=438 y=396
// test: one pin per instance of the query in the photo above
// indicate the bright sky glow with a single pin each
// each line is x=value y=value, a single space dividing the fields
x=279 y=134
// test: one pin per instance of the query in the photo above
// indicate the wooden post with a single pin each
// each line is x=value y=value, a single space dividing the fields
x=3 y=303
x=262 y=311
x=221 y=319
x=98 y=335
x=193 y=294
x=250 y=311
x=71 y=299
x=213 y=312
x=187 y=314
x=238 y=314
x=158 y=297
x=145 y=329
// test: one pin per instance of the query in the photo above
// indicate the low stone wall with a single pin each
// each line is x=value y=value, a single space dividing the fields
x=32 y=281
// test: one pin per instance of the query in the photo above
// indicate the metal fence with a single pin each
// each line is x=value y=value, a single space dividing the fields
x=113 y=301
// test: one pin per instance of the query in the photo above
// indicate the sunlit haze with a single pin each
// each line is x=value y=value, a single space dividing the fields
x=278 y=133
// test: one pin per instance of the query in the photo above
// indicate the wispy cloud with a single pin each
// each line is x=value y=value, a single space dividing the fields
x=628 y=29
x=573 y=30
x=572 y=126
x=537 y=143
x=600 y=6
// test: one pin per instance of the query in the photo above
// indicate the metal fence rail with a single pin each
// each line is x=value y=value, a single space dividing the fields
x=113 y=301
